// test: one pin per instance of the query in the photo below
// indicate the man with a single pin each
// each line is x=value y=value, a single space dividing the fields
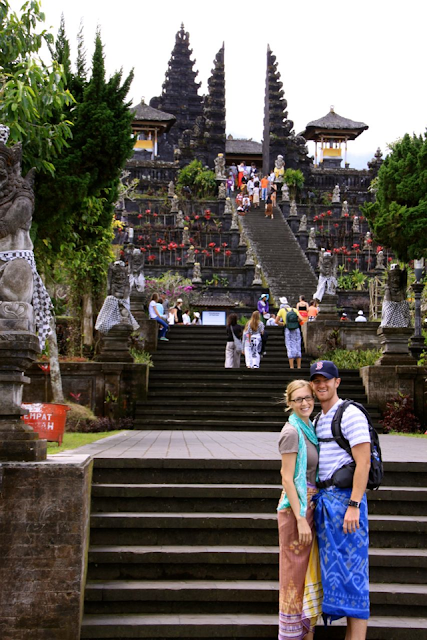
x=341 y=515
x=360 y=317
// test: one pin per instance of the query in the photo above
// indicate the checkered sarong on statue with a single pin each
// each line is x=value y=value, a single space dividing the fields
x=395 y=314
x=41 y=301
x=110 y=314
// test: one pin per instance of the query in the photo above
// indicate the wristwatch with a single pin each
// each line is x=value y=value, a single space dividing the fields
x=353 y=503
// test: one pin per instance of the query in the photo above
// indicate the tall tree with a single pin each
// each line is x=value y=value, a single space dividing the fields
x=398 y=216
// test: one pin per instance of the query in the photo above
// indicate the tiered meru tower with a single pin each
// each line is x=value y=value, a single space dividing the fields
x=214 y=110
x=279 y=136
x=180 y=95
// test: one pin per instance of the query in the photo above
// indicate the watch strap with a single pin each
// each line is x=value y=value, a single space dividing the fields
x=353 y=503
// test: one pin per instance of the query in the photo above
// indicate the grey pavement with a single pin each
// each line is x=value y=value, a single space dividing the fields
x=224 y=445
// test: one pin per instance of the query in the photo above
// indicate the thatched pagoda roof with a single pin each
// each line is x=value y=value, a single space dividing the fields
x=333 y=125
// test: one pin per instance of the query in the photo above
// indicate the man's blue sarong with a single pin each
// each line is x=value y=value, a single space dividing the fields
x=344 y=561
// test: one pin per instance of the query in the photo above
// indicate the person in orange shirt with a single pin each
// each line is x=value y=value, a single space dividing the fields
x=264 y=187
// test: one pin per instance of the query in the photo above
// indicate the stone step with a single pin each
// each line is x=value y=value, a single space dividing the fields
x=228 y=626
x=228 y=562
x=225 y=424
x=228 y=596
x=237 y=499
x=225 y=528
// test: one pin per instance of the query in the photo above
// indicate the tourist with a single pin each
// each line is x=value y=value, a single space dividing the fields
x=230 y=185
x=344 y=317
x=263 y=307
x=196 y=319
x=252 y=340
x=155 y=315
x=271 y=322
x=255 y=196
x=271 y=179
x=186 y=317
x=269 y=208
x=253 y=171
x=298 y=447
x=302 y=307
x=177 y=312
x=233 y=347
x=241 y=172
x=291 y=321
x=273 y=195
x=234 y=172
x=161 y=309
x=312 y=311
x=246 y=203
x=239 y=200
x=341 y=514
x=250 y=187
x=360 y=317
x=264 y=188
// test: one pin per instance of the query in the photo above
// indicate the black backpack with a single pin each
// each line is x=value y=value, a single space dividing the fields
x=292 y=320
x=376 y=472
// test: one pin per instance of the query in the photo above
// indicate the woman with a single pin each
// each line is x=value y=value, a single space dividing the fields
x=290 y=318
x=177 y=312
x=232 y=352
x=252 y=340
x=269 y=208
x=154 y=314
x=273 y=195
x=300 y=589
x=302 y=307
x=312 y=311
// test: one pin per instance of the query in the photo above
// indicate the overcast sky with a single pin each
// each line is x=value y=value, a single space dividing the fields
x=367 y=58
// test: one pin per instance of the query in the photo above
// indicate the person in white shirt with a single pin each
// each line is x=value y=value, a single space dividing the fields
x=196 y=319
x=360 y=317
x=271 y=322
x=186 y=317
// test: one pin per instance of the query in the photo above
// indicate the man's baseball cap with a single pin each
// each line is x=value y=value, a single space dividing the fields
x=324 y=368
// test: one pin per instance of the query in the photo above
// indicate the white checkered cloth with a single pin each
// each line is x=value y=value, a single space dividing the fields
x=110 y=314
x=41 y=301
x=395 y=314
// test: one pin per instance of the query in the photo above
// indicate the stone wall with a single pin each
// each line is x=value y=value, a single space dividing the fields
x=351 y=335
x=44 y=533
x=94 y=381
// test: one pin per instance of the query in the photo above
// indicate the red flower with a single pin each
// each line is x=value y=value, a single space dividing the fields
x=207 y=211
x=45 y=368
x=217 y=249
x=336 y=250
x=148 y=246
x=139 y=215
x=163 y=247
x=140 y=238
x=322 y=215
x=321 y=227
x=228 y=253
x=151 y=258
x=346 y=215
x=356 y=246
x=196 y=251
x=356 y=260
x=187 y=218
x=329 y=213
x=148 y=211
x=369 y=240
x=379 y=248
x=143 y=249
x=211 y=244
x=390 y=259
x=224 y=244
x=196 y=217
x=336 y=225
x=155 y=215
x=178 y=259
x=316 y=218
x=181 y=246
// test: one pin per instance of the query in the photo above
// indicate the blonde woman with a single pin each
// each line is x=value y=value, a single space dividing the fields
x=300 y=594
x=252 y=337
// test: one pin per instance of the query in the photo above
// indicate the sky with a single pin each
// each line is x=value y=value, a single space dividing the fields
x=366 y=58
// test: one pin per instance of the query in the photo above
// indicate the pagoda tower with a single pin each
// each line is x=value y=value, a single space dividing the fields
x=279 y=136
x=180 y=95
x=214 y=110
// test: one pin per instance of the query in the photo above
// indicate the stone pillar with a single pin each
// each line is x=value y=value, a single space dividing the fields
x=417 y=345
x=115 y=344
x=394 y=346
x=328 y=307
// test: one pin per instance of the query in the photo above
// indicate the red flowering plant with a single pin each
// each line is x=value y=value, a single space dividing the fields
x=147 y=211
x=151 y=258
x=329 y=213
x=139 y=215
x=379 y=248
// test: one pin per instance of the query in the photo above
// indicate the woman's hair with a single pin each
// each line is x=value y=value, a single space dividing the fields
x=232 y=319
x=291 y=388
x=302 y=298
x=155 y=296
x=254 y=321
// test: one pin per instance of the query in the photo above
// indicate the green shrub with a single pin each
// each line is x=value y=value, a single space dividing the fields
x=352 y=359
x=200 y=179
x=141 y=357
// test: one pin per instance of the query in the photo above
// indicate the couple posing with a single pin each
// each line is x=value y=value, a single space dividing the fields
x=323 y=534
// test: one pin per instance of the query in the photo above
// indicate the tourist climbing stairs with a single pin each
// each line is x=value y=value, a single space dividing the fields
x=190 y=389
x=189 y=549
x=283 y=262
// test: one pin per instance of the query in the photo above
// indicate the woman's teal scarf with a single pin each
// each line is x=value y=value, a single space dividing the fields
x=300 y=475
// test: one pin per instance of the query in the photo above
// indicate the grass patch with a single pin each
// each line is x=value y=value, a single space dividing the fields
x=75 y=440
x=408 y=435
x=352 y=359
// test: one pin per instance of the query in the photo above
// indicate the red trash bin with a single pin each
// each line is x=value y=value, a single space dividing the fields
x=48 y=420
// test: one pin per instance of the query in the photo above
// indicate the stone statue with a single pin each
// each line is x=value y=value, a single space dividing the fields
x=367 y=241
x=312 y=244
x=228 y=207
x=116 y=307
x=328 y=283
x=249 y=257
x=171 y=189
x=303 y=223
x=336 y=196
x=136 y=261
x=186 y=236
x=180 y=220
x=175 y=204
x=190 y=255
x=285 y=193
x=234 y=222
x=220 y=167
x=243 y=239
x=222 y=191
x=380 y=260
x=197 y=273
x=344 y=210
x=19 y=280
x=258 y=275
x=293 y=210
x=395 y=310
x=279 y=168
x=356 y=225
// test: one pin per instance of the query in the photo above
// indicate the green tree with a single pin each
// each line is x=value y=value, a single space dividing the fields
x=32 y=93
x=398 y=217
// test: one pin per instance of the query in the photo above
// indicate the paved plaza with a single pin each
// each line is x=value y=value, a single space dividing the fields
x=224 y=445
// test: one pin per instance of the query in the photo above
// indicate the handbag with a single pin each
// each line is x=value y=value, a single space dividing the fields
x=237 y=342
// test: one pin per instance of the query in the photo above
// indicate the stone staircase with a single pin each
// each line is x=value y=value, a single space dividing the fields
x=284 y=264
x=190 y=389
x=189 y=549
